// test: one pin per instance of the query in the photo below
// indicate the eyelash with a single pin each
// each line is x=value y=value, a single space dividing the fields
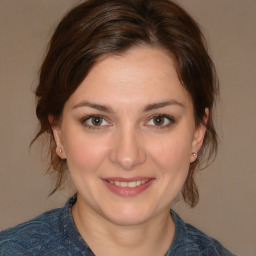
x=103 y=119
x=86 y=119
x=168 y=118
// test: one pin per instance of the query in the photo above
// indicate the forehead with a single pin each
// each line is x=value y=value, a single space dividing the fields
x=139 y=75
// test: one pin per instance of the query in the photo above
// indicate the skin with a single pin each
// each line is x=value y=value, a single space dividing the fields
x=128 y=142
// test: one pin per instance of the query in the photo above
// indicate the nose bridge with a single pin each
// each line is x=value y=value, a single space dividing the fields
x=127 y=150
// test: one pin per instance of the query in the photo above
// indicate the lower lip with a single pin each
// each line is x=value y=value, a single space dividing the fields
x=126 y=191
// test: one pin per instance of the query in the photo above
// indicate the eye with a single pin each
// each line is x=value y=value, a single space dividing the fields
x=95 y=121
x=161 y=121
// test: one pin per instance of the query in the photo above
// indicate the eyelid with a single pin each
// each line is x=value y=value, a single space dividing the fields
x=85 y=119
x=168 y=117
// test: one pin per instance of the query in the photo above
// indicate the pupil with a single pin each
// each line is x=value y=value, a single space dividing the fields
x=97 y=121
x=158 y=120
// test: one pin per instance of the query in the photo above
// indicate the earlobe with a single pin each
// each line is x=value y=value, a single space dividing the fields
x=57 y=137
x=58 y=140
x=198 y=138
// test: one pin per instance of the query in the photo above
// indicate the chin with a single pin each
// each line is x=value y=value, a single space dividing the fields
x=128 y=220
x=128 y=215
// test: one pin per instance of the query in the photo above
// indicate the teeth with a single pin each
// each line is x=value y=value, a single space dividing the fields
x=123 y=184
x=131 y=184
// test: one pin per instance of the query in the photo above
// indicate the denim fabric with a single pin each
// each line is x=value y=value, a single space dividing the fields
x=189 y=241
x=54 y=233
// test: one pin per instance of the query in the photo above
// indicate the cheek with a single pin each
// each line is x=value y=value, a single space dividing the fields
x=173 y=152
x=84 y=153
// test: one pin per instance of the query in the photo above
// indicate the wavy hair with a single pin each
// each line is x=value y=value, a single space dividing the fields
x=98 y=28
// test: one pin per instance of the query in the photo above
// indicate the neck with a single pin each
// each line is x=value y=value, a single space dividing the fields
x=153 y=237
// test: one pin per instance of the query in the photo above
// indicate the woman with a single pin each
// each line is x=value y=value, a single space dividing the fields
x=126 y=95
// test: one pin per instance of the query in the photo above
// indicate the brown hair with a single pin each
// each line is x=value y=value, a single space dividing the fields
x=97 y=28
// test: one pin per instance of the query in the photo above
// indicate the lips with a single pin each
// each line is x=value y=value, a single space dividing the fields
x=128 y=187
x=131 y=184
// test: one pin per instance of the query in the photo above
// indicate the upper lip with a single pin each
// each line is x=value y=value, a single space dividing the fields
x=127 y=179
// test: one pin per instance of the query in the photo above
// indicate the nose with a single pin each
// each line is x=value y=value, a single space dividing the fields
x=127 y=151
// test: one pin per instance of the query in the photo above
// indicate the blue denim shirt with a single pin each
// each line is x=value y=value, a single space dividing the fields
x=54 y=233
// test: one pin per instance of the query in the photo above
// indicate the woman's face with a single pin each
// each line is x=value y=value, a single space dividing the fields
x=128 y=134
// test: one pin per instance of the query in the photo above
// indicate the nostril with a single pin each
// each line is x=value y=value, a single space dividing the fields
x=127 y=150
x=127 y=160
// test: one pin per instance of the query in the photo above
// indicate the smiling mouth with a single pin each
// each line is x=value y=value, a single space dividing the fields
x=130 y=184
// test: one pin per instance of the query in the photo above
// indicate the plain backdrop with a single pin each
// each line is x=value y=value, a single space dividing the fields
x=227 y=188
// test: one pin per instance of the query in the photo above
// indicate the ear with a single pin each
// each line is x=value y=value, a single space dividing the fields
x=57 y=137
x=198 y=138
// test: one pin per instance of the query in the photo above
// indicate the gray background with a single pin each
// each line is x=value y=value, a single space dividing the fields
x=227 y=189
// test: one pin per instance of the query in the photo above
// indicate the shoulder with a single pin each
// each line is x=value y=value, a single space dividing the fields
x=196 y=242
x=205 y=244
x=31 y=236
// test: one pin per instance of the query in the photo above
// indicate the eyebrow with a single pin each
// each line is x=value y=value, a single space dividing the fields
x=147 y=108
x=95 y=106
x=162 y=104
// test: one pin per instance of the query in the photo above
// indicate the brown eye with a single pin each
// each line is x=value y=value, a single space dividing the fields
x=158 y=120
x=97 y=120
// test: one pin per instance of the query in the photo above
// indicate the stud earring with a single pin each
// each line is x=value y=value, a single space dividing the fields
x=60 y=150
x=194 y=154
